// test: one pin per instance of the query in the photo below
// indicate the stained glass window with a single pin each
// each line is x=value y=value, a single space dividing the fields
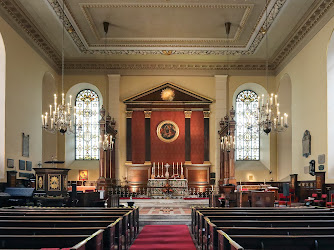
x=87 y=125
x=247 y=131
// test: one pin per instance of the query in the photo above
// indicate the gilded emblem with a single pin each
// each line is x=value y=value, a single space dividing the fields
x=167 y=131
x=40 y=182
x=54 y=182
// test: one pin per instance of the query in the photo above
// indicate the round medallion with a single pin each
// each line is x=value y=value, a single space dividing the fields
x=167 y=131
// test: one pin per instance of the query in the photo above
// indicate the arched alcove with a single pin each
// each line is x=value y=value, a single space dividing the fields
x=49 y=141
x=2 y=107
x=76 y=165
x=260 y=170
x=330 y=106
x=284 y=140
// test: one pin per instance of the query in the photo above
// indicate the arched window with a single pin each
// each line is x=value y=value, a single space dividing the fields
x=247 y=131
x=87 y=125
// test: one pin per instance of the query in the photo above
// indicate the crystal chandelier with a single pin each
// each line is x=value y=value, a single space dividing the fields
x=268 y=114
x=227 y=142
x=107 y=142
x=60 y=117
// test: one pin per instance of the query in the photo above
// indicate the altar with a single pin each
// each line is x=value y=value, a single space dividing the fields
x=179 y=186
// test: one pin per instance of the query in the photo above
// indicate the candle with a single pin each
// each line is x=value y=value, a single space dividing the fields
x=70 y=100
x=275 y=99
x=46 y=118
x=271 y=100
x=43 y=120
x=282 y=121
x=55 y=99
x=275 y=122
x=285 y=119
x=50 y=109
x=62 y=98
x=51 y=123
x=258 y=99
x=277 y=108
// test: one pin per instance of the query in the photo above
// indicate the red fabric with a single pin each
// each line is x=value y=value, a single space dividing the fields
x=128 y=198
x=196 y=198
x=138 y=137
x=163 y=151
x=164 y=237
x=197 y=137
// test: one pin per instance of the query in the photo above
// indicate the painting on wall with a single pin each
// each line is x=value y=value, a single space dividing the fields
x=25 y=145
x=168 y=131
x=22 y=165
x=83 y=175
x=28 y=165
x=10 y=163
x=40 y=182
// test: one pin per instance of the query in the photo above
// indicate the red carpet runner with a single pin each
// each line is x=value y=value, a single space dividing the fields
x=164 y=237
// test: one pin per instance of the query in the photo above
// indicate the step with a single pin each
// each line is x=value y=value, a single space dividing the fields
x=164 y=222
x=162 y=216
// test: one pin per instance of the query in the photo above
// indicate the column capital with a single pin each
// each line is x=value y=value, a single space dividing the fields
x=206 y=114
x=128 y=113
x=147 y=114
x=187 y=114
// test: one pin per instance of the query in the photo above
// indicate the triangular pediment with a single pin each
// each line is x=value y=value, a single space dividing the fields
x=180 y=95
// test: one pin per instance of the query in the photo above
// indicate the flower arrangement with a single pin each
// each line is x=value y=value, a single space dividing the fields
x=167 y=189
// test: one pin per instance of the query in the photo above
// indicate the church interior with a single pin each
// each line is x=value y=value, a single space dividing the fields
x=166 y=124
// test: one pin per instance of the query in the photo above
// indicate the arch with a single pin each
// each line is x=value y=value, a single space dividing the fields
x=330 y=106
x=70 y=138
x=247 y=140
x=2 y=107
x=284 y=140
x=49 y=141
x=259 y=169
x=87 y=125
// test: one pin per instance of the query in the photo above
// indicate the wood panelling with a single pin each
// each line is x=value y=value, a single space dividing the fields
x=138 y=137
x=197 y=137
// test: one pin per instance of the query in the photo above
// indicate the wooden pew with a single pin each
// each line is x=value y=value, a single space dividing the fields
x=133 y=215
x=112 y=230
x=278 y=242
x=94 y=241
x=199 y=213
x=211 y=241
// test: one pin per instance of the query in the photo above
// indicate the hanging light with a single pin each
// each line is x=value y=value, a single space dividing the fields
x=227 y=142
x=106 y=140
x=61 y=115
x=269 y=116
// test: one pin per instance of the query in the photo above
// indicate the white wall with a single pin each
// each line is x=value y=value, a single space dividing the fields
x=259 y=169
x=284 y=139
x=330 y=106
x=2 y=107
x=75 y=165
x=49 y=88
x=23 y=106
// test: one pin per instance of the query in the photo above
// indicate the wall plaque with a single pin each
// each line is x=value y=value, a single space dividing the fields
x=167 y=131
x=306 y=143
x=25 y=145
x=321 y=159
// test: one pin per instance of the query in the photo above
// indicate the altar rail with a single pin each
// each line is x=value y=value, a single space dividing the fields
x=126 y=192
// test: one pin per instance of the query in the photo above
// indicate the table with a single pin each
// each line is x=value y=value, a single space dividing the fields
x=179 y=187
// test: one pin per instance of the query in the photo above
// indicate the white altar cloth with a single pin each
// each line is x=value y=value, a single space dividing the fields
x=179 y=187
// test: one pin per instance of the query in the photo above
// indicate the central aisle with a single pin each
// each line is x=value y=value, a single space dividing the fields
x=164 y=237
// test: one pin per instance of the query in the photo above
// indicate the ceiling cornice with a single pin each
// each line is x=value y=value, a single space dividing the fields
x=16 y=17
x=298 y=34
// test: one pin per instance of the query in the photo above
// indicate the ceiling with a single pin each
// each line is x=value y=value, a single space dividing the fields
x=166 y=34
